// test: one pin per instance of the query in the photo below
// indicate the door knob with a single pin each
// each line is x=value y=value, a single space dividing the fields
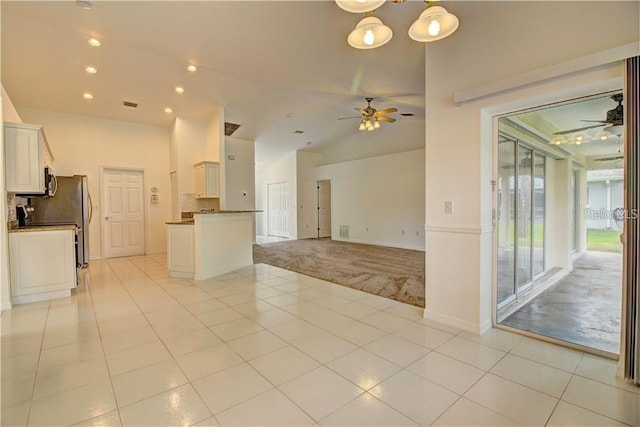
x=107 y=217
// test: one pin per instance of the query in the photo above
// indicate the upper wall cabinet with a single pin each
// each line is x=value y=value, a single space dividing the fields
x=26 y=154
x=207 y=176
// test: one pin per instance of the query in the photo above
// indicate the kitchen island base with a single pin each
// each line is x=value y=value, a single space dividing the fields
x=212 y=245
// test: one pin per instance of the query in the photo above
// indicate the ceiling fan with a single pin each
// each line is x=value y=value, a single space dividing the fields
x=371 y=118
x=609 y=159
x=615 y=117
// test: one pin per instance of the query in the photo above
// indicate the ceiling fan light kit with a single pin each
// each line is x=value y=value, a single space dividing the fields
x=371 y=118
x=434 y=23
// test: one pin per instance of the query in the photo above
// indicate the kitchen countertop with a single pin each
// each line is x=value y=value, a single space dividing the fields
x=190 y=221
x=213 y=212
x=31 y=228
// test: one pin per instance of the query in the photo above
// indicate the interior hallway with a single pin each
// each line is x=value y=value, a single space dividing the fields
x=265 y=346
x=582 y=308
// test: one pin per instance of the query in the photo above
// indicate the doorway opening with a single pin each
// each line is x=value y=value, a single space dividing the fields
x=559 y=216
x=323 y=199
x=123 y=221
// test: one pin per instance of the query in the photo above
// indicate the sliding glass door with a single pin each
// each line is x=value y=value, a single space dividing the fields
x=521 y=218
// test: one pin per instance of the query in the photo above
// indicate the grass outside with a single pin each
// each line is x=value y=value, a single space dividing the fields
x=603 y=240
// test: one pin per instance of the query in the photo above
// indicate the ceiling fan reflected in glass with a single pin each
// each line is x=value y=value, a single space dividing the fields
x=434 y=23
x=370 y=117
x=613 y=125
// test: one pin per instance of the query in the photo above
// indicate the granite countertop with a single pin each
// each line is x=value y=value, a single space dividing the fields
x=32 y=228
x=183 y=222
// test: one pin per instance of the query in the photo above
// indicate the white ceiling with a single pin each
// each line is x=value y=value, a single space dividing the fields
x=263 y=61
x=275 y=67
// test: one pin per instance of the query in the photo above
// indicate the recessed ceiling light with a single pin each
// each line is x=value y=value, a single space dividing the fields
x=87 y=95
x=91 y=70
x=179 y=89
x=94 y=42
x=192 y=68
x=168 y=110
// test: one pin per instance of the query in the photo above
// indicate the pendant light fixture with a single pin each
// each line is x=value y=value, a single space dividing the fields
x=369 y=33
x=359 y=6
x=434 y=23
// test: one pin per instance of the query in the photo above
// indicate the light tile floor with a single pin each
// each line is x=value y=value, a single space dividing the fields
x=265 y=346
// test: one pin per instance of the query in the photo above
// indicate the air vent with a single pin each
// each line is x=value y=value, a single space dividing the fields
x=407 y=114
x=298 y=131
x=130 y=104
x=230 y=128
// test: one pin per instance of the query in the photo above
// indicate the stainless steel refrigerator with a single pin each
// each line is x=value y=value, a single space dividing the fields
x=71 y=204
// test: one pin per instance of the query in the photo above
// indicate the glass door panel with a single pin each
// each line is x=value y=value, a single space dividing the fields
x=524 y=222
x=506 y=212
x=538 y=213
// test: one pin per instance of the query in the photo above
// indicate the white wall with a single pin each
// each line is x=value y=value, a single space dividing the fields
x=81 y=145
x=284 y=170
x=379 y=198
x=307 y=198
x=240 y=174
x=522 y=37
x=188 y=144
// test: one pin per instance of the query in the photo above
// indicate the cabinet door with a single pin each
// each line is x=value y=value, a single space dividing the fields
x=212 y=176
x=24 y=172
x=42 y=261
x=180 y=249
x=200 y=181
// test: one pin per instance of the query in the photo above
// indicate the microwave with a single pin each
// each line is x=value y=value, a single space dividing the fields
x=50 y=185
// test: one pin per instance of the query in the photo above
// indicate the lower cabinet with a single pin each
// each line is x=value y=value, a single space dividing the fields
x=43 y=265
x=180 y=250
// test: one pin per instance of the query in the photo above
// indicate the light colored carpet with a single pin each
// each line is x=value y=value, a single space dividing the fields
x=389 y=272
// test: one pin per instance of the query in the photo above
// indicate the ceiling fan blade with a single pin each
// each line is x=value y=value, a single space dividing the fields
x=345 y=118
x=596 y=121
x=361 y=111
x=386 y=119
x=387 y=111
x=565 y=132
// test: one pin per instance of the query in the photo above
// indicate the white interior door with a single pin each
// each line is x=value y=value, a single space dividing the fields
x=324 y=208
x=123 y=207
x=279 y=202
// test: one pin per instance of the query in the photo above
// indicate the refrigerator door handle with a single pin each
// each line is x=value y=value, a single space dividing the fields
x=90 y=207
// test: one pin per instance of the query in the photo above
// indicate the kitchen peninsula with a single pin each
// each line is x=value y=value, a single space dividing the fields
x=211 y=244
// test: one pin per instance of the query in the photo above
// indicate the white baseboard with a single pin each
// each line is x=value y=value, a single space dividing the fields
x=5 y=305
x=376 y=243
x=465 y=325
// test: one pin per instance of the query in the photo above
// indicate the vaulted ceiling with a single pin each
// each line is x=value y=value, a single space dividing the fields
x=275 y=66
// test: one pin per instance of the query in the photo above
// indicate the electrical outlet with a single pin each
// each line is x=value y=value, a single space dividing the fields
x=448 y=207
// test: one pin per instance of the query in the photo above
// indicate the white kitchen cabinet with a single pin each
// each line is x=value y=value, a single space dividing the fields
x=207 y=180
x=180 y=250
x=43 y=264
x=26 y=154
